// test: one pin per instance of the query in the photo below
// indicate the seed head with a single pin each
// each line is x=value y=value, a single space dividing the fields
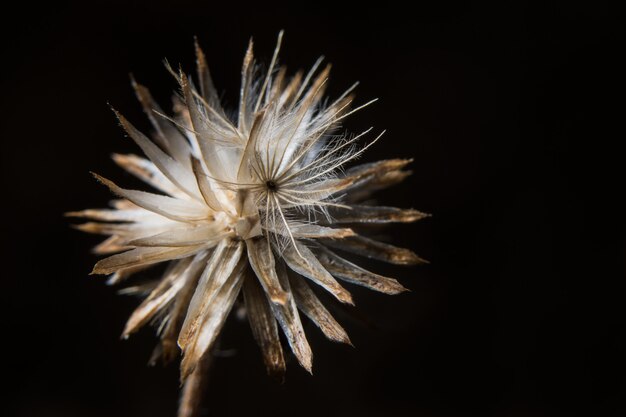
x=248 y=207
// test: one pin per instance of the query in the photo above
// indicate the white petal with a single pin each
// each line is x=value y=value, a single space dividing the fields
x=176 y=172
x=172 y=208
x=220 y=267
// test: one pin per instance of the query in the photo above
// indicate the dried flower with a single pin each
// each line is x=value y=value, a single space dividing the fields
x=250 y=206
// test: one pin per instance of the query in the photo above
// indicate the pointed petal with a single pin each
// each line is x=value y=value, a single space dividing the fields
x=160 y=297
x=108 y=215
x=244 y=92
x=166 y=134
x=169 y=349
x=142 y=256
x=377 y=168
x=354 y=274
x=244 y=171
x=311 y=306
x=207 y=88
x=374 y=214
x=220 y=267
x=207 y=234
x=289 y=320
x=174 y=170
x=261 y=259
x=169 y=207
x=263 y=325
x=148 y=173
x=207 y=140
x=313 y=231
x=305 y=263
x=366 y=188
x=376 y=250
x=205 y=186
x=212 y=321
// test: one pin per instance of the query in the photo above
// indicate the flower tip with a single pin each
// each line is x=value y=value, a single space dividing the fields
x=308 y=367
x=403 y=289
x=346 y=297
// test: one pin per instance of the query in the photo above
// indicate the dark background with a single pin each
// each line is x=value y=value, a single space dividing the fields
x=514 y=115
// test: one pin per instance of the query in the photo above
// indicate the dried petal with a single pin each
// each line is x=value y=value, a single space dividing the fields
x=261 y=259
x=373 y=214
x=304 y=262
x=376 y=250
x=310 y=305
x=263 y=325
x=354 y=274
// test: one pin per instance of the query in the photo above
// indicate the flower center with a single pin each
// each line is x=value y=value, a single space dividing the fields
x=271 y=185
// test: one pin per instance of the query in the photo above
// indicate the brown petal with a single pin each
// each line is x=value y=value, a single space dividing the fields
x=192 y=235
x=263 y=325
x=354 y=274
x=207 y=88
x=147 y=172
x=168 y=349
x=167 y=290
x=174 y=170
x=167 y=135
x=262 y=261
x=311 y=306
x=289 y=320
x=314 y=231
x=212 y=321
x=142 y=256
x=373 y=214
x=376 y=250
x=305 y=263
x=220 y=267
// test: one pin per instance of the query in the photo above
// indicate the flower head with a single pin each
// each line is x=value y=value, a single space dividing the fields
x=252 y=205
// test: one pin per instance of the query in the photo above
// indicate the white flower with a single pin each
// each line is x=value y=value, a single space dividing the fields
x=252 y=206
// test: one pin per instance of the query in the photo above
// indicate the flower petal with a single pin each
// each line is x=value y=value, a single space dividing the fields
x=207 y=234
x=369 y=248
x=354 y=274
x=304 y=262
x=289 y=320
x=169 y=207
x=220 y=267
x=168 y=288
x=142 y=256
x=211 y=322
x=166 y=134
x=374 y=214
x=263 y=325
x=311 y=306
x=146 y=171
x=175 y=171
x=313 y=231
x=261 y=259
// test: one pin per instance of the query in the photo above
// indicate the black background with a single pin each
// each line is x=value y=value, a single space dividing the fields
x=514 y=115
